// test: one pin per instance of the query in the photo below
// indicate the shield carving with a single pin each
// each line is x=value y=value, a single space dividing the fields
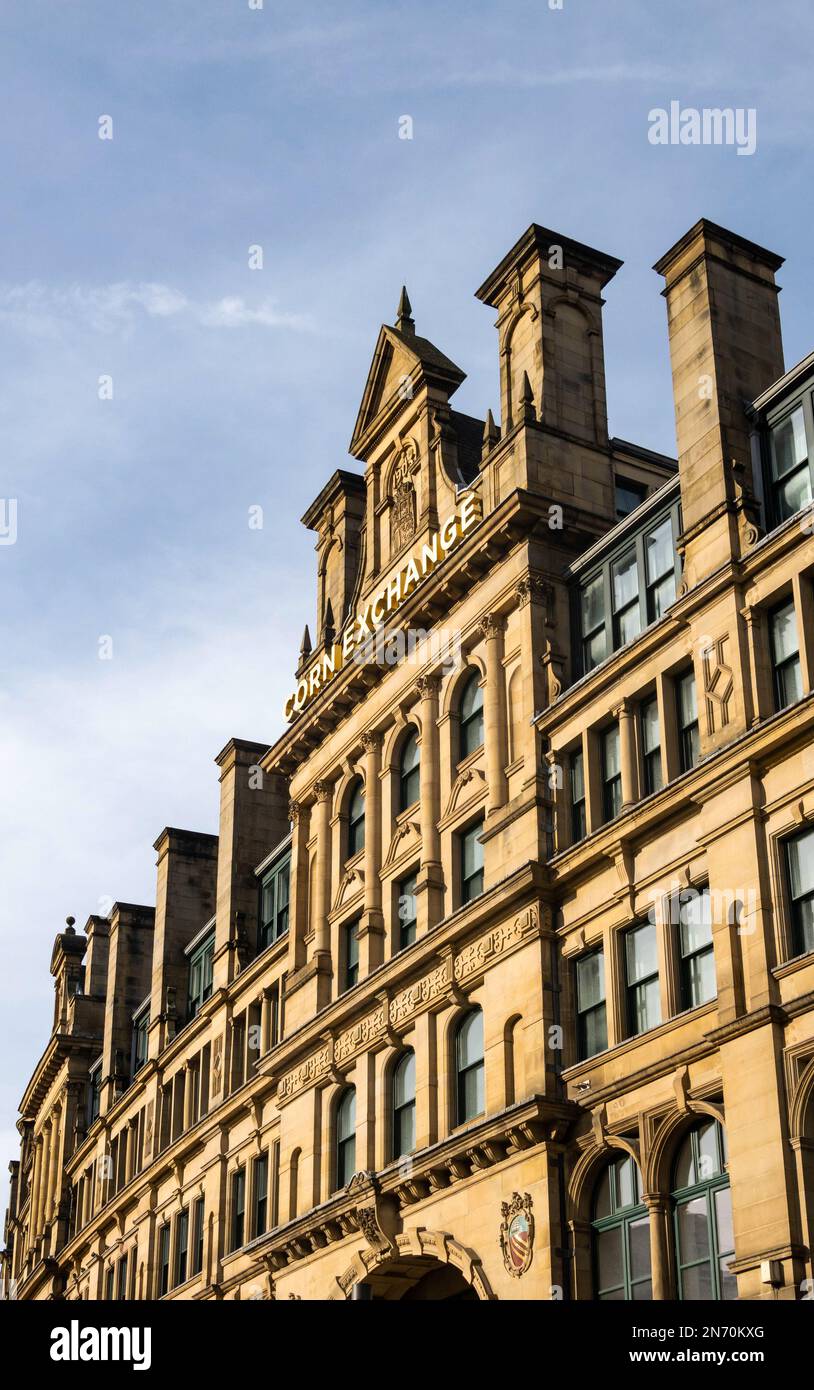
x=517 y=1234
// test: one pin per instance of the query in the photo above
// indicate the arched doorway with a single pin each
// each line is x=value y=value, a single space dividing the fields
x=423 y=1280
x=419 y=1265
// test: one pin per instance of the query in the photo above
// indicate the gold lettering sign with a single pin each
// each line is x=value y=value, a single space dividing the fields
x=384 y=603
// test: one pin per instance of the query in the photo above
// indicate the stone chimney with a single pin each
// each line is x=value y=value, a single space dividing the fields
x=725 y=348
x=253 y=819
x=185 y=901
x=548 y=295
x=336 y=515
x=129 y=981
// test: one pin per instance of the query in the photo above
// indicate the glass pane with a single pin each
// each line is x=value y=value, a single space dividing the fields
x=407 y=904
x=611 y=753
x=472 y=851
x=685 y=1165
x=472 y=1092
x=625 y=581
x=795 y=493
x=662 y=595
x=639 y=1244
x=659 y=554
x=609 y=1258
x=642 y=1293
x=723 y=1218
x=696 y=922
x=688 y=708
x=577 y=777
x=641 y=953
x=628 y=496
x=628 y=625
x=595 y=1031
x=784 y=633
x=729 y=1283
x=472 y=698
x=470 y=1040
x=404 y=1080
x=650 y=726
x=709 y=1164
x=696 y=1284
x=625 y=1184
x=693 y=1230
x=590 y=980
x=593 y=605
x=800 y=852
x=596 y=649
x=789 y=446
x=346 y=1116
x=805 y=924
x=701 y=982
x=405 y=1131
x=645 y=1007
x=790 y=682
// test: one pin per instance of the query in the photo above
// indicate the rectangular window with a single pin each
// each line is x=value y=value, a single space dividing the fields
x=200 y=974
x=689 y=745
x=260 y=1177
x=592 y=1022
x=660 y=562
x=789 y=466
x=579 y=820
x=611 y=773
x=651 y=746
x=196 y=1258
x=594 y=644
x=350 y=952
x=695 y=948
x=642 y=979
x=95 y=1092
x=141 y=1025
x=109 y=1276
x=238 y=1207
x=164 y=1260
x=628 y=496
x=471 y=863
x=181 y=1245
x=407 y=911
x=121 y=1279
x=800 y=869
x=274 y=902
x=788 y=681
x=627 y=619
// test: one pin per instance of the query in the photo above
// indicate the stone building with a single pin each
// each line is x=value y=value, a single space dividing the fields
x=498 y=980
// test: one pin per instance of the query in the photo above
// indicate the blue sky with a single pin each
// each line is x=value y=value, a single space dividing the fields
x=234 y=388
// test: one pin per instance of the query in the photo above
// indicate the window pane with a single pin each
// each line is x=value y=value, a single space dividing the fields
x=687 y=704
x=611 y=753
x=723 y=1218
x=693 y=1230
x=701 y=982
x=639 y=1238
x=628 y=496
x=596 y=649
x=659 y=553
x=472 y=698
x=593 y=605
x=590 y=980
x=641 y=953
x=709 y=1163
x=577 y=777
x=662 y=595
x=695 y=915
x=472 y=1093
x=794 y=493
x=472 y=851
x=602 y=1199
x=650 y=726
x=801 y=864
x=625 y=581
x=784 y=633
x=595 y=1031
x=609 y=1258
x=696 y=1283
x=470 y=1040
x=685 y=1165
x=789 y=447
x=404 y=1080
x=645 y=1007
x=625 y=1184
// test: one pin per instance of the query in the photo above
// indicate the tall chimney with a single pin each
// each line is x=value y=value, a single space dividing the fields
x=725 y=348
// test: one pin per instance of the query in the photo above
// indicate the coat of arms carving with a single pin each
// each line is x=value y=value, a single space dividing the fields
x=403 y=513
x=517 y=1234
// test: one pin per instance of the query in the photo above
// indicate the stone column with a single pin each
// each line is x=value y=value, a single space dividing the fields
x=298 y=886
x=659 y=1210
x=493 y=627
x=54 y=1168
x=627 y=751
x=36 y=1182
x=371 y=927
x=431 y=874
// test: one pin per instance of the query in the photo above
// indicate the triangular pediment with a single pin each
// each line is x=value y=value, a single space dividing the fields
x=400 y=357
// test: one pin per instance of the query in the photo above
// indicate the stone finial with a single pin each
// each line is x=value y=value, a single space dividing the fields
x=527 y=410
x=69 y=922
x=491 y=434
x=328 y=625
x=404 y=320
x=305 y=645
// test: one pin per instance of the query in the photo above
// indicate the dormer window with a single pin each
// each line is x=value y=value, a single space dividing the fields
x=201 y=963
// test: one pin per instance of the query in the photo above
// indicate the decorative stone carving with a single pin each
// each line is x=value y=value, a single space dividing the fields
x=517 y=1234
x=402 y=498
x=718 y=684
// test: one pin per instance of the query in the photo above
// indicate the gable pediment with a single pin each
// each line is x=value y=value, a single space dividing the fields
x=399 y=357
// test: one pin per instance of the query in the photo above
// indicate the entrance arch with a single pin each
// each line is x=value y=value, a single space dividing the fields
x=419 y=1265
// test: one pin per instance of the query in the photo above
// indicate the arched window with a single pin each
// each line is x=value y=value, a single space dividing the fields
x=470 y=712
x=621 y=1234
x=702 y=1206
x=346 y=1137
x=404 y=1105
x=409 y=773
x=469 y=1098
x=356 y=819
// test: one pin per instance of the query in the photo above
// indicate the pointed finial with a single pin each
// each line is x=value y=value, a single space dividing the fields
x=328 y=626
x=491 y=433
x=69 y=922
x=404 y=320
x=305 y=645
x=527 y=399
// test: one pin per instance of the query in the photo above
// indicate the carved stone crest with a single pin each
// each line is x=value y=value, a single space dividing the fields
x=517 y=1234
x=402 y=492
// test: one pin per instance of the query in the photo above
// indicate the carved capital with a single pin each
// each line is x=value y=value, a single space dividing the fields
x=428 y=687
x=323 y=791
x=295 y=810
x=371 y=741
x=492 y=625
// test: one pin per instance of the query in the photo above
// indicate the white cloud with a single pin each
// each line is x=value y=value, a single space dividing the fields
x=38 y=308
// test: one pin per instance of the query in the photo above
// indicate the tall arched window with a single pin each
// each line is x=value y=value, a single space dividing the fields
x=346 y=1137
x=404 y=1105
x=409 y=773
x=356 y=819
x=469 y=1096
x=702 y=1206
x=470 y=713
x=621 y=1234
